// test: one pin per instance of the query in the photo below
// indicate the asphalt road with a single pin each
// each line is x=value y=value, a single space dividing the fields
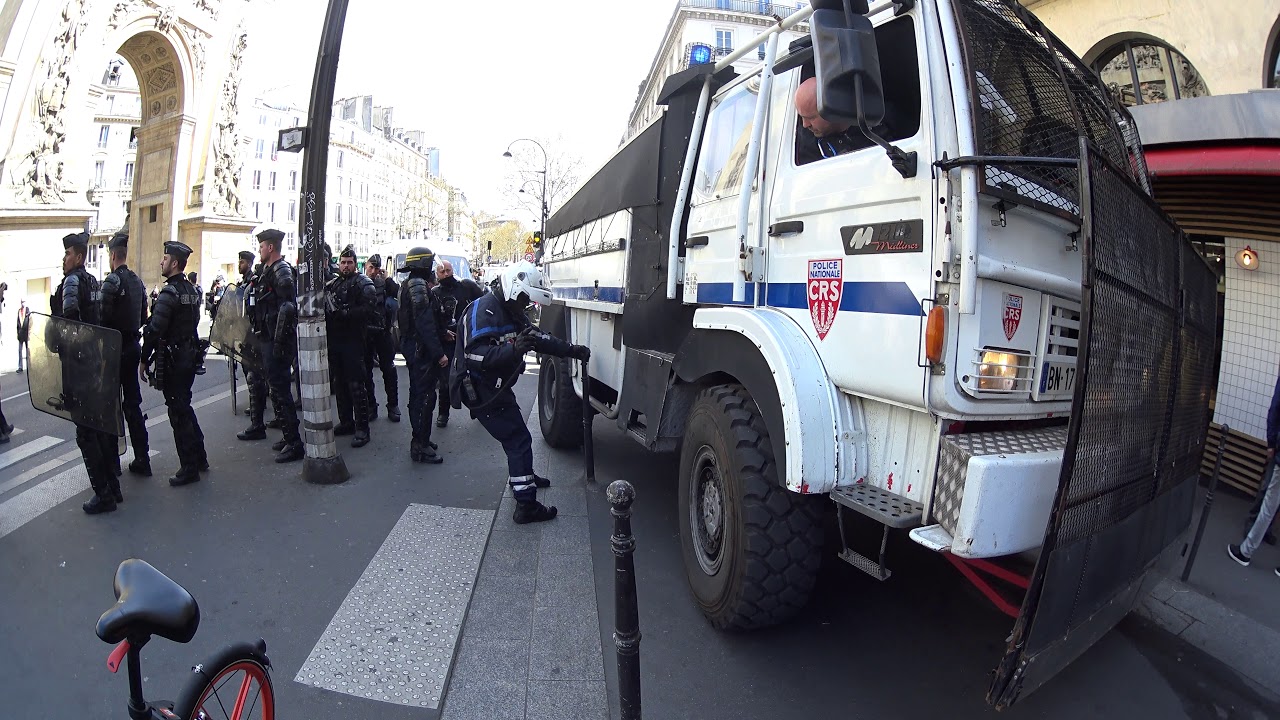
x=270 y=556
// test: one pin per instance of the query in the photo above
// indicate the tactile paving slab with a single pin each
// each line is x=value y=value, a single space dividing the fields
x=394 y=636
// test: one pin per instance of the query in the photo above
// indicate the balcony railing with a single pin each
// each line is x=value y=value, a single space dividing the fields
x=746 y=6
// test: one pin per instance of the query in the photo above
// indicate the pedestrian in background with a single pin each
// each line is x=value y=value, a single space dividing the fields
x=1243 y=553
x=24 y=332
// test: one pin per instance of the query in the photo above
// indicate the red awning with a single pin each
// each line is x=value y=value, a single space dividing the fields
x=1250 y=160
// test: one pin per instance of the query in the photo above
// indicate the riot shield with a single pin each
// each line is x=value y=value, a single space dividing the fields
x=231 y=333
x=74 y=372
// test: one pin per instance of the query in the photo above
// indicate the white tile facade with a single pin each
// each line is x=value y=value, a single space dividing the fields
x=1250 y=339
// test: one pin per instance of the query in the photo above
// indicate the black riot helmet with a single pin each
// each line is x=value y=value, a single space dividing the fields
x=419 y=258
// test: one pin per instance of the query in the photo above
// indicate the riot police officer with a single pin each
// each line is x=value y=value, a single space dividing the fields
x=170 y=341
x=381 y=347
x=123 y=306
x=454 y=296
x=74 y=300
x=493 y=338
x=421 y=344
x=350 y=301
x=255 y=378
x=275 y=321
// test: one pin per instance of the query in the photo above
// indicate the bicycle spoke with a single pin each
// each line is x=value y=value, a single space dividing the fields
x=241 y=696
x=256 y=697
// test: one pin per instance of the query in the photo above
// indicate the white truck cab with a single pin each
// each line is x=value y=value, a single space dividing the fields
x=960 y=315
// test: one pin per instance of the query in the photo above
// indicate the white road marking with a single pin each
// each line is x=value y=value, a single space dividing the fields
x=39 y=470
x=405 y=613
x=163 y=415
x=15 y=397
x=27 y=449
x=36 y=501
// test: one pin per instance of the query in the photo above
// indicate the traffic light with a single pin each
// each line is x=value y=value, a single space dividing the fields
x=537 y=239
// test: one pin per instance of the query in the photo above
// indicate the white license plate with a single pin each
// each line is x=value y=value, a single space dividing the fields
x=1057 y=380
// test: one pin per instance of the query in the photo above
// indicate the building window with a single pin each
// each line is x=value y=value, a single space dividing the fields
x=258 y=149
x=271 y=212
x=275 y=154
x=99 y=170
x=262 y=119
x=1158 y=72
x=104 y=133
x=351 y=216
x=128 y=175
x=293 y=209
x=257 y=179
x=293 y=179
x=339 y=217
x=724 y=41
x=339 y=158
x=111 y=104
x=255 y=211
x=271 y=185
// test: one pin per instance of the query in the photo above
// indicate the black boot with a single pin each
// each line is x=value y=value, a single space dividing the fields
x=532 y=511
x=291 y=451
x=99 y=504
x=255 y=431
x=393 y=412
x=442 y=420
x=373 y=409
x=274 y=424
x=278 y=445
x=344 y=428
x=360 y=411
x=540 y=481
x=140 y=466
x=185 y=476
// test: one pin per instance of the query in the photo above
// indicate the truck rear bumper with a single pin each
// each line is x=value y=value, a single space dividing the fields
x=995 y=490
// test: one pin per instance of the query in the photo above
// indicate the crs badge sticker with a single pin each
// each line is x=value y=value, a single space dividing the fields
x=826 y=284
x=1012 y=314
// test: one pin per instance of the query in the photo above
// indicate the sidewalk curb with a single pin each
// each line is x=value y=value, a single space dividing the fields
x=1238 y=641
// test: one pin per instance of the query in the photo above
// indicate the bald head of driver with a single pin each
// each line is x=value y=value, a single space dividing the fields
x=807 y=108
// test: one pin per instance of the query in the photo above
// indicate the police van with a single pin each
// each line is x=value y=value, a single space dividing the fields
x=969 y=322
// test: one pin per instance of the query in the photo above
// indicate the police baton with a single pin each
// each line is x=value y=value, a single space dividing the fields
x=231 y=365
x=588 y=448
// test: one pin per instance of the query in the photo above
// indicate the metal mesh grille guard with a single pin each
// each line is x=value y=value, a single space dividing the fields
x=1032 y=98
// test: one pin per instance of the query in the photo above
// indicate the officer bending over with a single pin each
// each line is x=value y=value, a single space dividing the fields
x=171 y=342
x=493 y=338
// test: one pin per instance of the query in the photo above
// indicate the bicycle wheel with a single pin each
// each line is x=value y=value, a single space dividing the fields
x=235 y=684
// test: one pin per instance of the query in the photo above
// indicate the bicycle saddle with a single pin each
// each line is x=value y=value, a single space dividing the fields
x=148 y=603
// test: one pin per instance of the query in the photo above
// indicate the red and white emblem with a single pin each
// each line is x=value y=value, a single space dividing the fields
x=1012 y=314
x=826 y=284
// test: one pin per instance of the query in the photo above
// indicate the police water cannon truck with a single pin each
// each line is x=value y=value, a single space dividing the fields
x=941 y=301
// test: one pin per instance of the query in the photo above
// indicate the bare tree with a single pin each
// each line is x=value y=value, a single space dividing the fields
x=504 y=239
x=564 y=170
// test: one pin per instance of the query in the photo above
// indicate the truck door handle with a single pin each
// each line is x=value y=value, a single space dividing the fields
x=786 y=228
x=697 y=241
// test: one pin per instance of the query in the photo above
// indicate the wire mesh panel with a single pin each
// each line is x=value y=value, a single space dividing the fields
x=1032 y=98
x=74 y=372
x=1137 y=428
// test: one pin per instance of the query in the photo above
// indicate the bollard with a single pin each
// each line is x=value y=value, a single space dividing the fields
x=626 y=633
x=588 y=412
x=1208 y=504
x=235 y=410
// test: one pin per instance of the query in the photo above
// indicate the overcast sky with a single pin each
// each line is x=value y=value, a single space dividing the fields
x=473 y=75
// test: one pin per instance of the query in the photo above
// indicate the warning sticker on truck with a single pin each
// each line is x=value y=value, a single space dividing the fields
x=826 y=284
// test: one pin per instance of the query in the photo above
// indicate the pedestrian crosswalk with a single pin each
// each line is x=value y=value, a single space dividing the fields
x=26 y=450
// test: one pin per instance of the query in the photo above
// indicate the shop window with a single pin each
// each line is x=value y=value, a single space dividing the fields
x=1141 y=72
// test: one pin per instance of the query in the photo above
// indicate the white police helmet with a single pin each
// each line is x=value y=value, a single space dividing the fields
x=524 y=277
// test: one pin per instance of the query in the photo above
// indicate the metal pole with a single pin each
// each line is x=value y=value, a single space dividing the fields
x=1208 y=504
x=588 y=413
x=322 y=464
x=231 y=365
x=626 y=635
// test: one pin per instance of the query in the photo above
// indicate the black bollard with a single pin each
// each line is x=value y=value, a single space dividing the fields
x=1208 y=504
x=626 y=633
x=588 y=412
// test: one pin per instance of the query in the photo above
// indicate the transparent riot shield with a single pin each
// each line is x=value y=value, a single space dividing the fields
x=74 y=372
x=231 y=334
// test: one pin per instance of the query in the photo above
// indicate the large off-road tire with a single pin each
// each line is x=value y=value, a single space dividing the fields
x=751 y=548
x=559 y=407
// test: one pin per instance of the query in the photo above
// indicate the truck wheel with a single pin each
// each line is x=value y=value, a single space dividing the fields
x=751 y=548
x=559 y=407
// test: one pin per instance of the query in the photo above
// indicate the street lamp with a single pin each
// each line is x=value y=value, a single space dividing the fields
x=542 y=216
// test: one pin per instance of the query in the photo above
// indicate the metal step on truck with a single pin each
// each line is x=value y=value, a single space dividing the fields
x=943 y=304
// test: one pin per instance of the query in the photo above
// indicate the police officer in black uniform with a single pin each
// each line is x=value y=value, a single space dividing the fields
x=381 y=346
x=123 y=306
x=421 y=337
x=454 y=296
x=75 y=299
x=171 y=343
x=494 y=336
x=275 y=320
x=350 y=302
x=256 y=378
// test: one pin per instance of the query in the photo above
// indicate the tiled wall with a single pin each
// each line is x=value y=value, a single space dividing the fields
x=1250 y=339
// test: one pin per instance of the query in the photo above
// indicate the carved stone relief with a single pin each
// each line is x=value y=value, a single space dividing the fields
x=123 y=8
x=210 y=6
x=225 y=198
x=39 y=172
x=166 y=18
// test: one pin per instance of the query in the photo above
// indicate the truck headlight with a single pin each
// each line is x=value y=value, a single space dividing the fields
x=998 y=371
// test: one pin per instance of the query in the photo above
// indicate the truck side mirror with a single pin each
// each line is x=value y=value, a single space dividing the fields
x=847 y=66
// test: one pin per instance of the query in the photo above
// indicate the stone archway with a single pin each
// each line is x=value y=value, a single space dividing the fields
x=164 y=142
